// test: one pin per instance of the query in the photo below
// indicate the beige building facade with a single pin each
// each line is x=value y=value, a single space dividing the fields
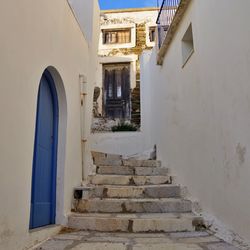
x=38 y=38
x=133 y=32
x=124 y=35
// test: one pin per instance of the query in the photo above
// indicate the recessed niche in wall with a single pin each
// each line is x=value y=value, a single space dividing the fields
x=187 y=45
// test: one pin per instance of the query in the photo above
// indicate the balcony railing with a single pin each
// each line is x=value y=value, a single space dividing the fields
x=165 y=18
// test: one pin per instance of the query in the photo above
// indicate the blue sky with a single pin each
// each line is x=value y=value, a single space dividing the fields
x=120 y=4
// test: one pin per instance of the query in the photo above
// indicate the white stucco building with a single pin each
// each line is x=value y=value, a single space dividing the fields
x=48 y=54
x=200 y=107
x=194 y=106
x=124 y=35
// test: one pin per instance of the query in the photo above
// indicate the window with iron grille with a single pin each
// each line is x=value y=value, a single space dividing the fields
x=116 y=36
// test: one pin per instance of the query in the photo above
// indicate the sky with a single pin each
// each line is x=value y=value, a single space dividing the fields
x=121 y=4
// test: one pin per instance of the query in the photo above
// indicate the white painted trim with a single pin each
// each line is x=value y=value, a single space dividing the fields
x=149 y=25
x=61 y=219
x=132 y=44
x=118 y=59
x=122 y=59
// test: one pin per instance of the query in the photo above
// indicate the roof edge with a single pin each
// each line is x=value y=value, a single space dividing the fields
x=129 y=10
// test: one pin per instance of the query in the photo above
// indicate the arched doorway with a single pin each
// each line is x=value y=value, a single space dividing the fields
x=44 y=174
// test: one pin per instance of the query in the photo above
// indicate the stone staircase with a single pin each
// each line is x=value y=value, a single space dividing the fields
x=131 y=196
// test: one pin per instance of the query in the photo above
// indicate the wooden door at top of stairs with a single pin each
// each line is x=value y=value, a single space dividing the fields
x=117 y=91
x=43 y=197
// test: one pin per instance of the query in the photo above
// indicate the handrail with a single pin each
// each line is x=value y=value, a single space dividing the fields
x=165 y=18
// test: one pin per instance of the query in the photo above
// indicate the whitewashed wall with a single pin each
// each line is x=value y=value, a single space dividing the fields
x=35 y=35
x=201 y=113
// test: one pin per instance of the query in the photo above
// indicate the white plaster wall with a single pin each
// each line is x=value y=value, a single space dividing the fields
x=83 y=11
x=201 y=113
x=91 y=83
x=35 y=35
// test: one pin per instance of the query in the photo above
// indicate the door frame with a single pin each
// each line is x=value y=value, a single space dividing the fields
x=105 y=89
x=53 y=90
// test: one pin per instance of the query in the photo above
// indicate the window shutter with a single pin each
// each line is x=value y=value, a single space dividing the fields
x=125 y=83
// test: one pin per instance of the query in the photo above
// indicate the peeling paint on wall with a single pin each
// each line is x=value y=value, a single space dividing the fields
x=241 y=151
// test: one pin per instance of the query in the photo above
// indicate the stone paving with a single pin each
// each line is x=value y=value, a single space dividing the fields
x=135 y=241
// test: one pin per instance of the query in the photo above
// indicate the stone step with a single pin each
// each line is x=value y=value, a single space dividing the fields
x=141 y=163
x=135 y=222
x=101 y=155
x=149 y=191
x=135 y=115
x=102 y=159
x=106 y=159
x=127 y=170
x=129 y=180
x=110 y=205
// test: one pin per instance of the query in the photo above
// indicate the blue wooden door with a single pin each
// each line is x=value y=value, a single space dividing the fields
x=43 y=198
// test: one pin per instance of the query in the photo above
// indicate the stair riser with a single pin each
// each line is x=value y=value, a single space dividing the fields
x=109 y=159
x=142 y=163
x=118 y=206
x=134 y=192
x=131 y=196
x=101 y=159
x=124 y=170
x=131 y=225
x=129 y=180
x=108 y=162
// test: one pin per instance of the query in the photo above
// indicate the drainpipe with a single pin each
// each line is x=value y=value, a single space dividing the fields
x=83 y=93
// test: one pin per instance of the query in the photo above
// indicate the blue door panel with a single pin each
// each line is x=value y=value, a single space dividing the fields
x=42 y=214
x=43 y=176
x=45 y=153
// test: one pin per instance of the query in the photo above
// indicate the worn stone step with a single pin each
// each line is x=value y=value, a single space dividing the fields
x=129 y=180
x=100 y=158
x=141 y=163
x=149 y=191
x=110 y=205
x=135 y=222
x=127 y=170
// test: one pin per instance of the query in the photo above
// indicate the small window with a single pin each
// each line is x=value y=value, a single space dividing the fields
x=152 y=34
x=187 y=45
x=116 y=36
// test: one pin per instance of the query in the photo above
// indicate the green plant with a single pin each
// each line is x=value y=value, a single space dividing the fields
x=124 y=126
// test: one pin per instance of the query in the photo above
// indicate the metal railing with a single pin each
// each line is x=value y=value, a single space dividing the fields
x=165 y=18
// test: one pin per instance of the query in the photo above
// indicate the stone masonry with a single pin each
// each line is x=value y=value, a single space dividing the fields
x=131 y=196
x=133 y=205
x=141 y=18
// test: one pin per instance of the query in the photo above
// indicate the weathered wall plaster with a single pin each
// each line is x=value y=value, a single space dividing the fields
x=200 y=111
x=31 y=42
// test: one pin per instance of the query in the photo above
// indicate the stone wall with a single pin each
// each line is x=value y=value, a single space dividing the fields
x=140 y=19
